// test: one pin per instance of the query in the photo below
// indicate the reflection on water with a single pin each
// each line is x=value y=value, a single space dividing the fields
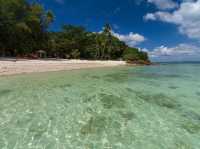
x=119 y=108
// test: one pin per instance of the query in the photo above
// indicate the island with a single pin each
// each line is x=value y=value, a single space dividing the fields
x=25 y=34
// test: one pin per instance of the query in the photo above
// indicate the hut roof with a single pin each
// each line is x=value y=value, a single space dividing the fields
x=41 y=51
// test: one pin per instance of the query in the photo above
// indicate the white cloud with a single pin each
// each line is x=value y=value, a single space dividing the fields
x=164 y=4
x=179 y=52
x=181 y=49
x=187 y=17
x=150 y=16
x=130 y=39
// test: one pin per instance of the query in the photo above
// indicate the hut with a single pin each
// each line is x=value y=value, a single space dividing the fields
x=42 y=54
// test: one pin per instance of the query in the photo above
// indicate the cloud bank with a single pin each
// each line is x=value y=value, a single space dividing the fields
x=186 y=17
x=131 y=39
x=177 y=53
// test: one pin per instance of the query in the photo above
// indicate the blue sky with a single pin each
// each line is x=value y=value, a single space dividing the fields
x=164 y=28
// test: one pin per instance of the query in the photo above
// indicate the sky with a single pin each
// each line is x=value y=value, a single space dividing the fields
x=169 y=30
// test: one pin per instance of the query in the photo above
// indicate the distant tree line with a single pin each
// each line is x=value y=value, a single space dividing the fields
x=24 y=33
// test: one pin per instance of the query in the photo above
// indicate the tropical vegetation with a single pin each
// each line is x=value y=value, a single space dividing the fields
x=24 y=31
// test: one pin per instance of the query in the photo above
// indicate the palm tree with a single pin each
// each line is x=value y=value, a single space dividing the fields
x=107 y=42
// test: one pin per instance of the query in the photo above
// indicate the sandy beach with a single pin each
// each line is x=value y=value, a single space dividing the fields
x=11 y=67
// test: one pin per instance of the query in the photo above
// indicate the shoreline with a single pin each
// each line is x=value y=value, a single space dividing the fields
x=25 y=66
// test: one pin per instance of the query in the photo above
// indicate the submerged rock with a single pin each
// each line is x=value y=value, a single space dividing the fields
x=192 y=127
x=158 y=99
x=182 y=145
x=96 y=124
x=95 y=77
x=5 y=92
x=88 y=98
x=37 y=130
x=127 y=115
x=172 y=87
x=198 y=93
x=129 y=89
x=65 y=86
x=112 y=101
x=192 y=116
x=117 y=77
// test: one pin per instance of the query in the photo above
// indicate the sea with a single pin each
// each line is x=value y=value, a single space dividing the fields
x=140 y=107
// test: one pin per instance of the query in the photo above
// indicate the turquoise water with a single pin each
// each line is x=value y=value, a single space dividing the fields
x=155 y=107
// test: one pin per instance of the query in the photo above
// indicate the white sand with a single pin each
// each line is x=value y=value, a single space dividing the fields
x=10 y=67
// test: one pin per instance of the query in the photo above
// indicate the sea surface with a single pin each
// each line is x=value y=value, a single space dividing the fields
x=150 y=107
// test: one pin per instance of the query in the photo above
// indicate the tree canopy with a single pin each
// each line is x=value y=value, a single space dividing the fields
x=24 y=31
x=23 y=27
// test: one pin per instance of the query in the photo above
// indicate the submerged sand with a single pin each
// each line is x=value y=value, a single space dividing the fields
x=10 y=67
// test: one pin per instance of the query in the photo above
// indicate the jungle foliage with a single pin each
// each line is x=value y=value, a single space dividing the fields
x=24 y=30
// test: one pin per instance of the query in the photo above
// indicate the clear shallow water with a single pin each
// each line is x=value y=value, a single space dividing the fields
x=156 y=107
